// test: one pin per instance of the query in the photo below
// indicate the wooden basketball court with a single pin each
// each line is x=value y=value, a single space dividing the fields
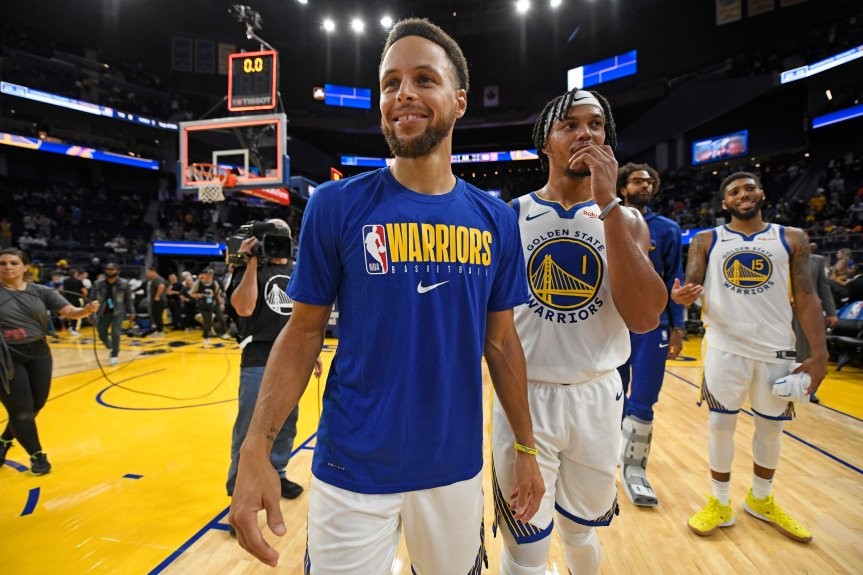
x=140 y=453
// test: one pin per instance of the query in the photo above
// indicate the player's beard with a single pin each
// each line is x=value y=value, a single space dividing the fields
x=420 y=145
x=748 y=214
x=638 y=201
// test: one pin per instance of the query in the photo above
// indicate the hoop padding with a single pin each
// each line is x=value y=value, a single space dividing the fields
x=211 y=182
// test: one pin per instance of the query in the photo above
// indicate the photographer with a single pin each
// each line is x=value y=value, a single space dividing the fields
x=257 y=294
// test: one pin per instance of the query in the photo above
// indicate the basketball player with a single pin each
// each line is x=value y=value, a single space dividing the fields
x=591 y=282
x=257 y=295
x=742 y=270
x=638 y=184
x=426 y=270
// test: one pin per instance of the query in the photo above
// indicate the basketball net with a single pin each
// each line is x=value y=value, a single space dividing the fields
x=211 y=182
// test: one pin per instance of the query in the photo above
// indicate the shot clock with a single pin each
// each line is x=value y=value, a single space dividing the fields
x=252 y=78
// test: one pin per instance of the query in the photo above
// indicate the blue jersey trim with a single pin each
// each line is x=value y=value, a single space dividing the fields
x=784 y=239
x=565 y=214
x=746 y=238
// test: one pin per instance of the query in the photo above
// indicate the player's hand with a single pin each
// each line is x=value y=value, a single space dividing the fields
x=319 y=367
x=247 y=245
x=817 y=370
x=257 y=488
x=602 y=164
x=685 y=294
x=529 y=488
x=92 y=307
x=831 y=320
x=675 y=343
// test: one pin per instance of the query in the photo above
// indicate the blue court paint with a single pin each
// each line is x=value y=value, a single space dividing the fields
x=32 y=499
x=214 y=523
x=16 y=466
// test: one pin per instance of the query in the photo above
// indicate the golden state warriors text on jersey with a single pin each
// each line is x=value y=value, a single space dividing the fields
x=747 y=270
x=565 y=269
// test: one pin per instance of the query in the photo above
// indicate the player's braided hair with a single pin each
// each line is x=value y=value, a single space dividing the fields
x=424 y=28
x=557 y=110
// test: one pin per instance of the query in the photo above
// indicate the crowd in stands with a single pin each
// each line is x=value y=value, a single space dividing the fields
x=54 y=221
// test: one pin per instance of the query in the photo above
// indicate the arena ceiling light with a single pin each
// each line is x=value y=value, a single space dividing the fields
x=329 y=25
x=387 y=22
x=357 y=25
x=522 y=6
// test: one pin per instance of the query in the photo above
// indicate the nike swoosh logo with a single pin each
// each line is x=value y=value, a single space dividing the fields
x=728 y=239
x=423 y=289
x=618 y=396
x=663 y=345
x=533 y=217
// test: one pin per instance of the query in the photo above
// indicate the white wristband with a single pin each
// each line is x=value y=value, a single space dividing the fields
x=607 y=209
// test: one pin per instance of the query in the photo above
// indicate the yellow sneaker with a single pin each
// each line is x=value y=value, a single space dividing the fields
x=767 y=510
x=712 y=517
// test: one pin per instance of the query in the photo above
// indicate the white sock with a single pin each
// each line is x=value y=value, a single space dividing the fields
x=761 y=487
x=721 y=490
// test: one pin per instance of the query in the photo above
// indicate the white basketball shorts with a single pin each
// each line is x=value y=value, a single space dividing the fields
x=351 y=533
x=728 y=377
x=577 y=431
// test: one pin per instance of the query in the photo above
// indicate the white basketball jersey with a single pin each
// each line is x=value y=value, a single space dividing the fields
x=570 y=329
x=747 y=306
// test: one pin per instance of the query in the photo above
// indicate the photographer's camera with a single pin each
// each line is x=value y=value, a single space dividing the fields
x=274 y=242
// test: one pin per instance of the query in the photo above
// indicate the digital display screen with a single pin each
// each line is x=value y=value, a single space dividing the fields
x=619 y=66
x=719 y=148
x=838 y=116
x=252 y=81
x=347 y=96
x=81 y=106
x=173 y=248
x=821 y=65
x=65 y=149
x=471 y=158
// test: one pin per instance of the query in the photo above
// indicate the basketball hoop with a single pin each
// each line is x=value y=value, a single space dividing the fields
x=211 y=182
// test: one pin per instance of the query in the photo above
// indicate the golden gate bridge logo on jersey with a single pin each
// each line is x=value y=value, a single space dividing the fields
x=747 y=269
x=565 y=274
x=375 y=242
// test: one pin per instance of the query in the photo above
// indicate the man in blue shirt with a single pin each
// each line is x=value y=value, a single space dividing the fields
x=638 y=184
x=426 y=269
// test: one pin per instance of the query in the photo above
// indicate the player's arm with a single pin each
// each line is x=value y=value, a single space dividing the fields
x=286 y=376
x=638 y=292
x=807 y=307
x=674 y=271
x=245 y=294
x=160 y=289
x=696 y=270
x=506 y=365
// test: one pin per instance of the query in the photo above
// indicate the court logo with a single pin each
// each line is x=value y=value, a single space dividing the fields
x=276 y=295
x=375 y=241
x=747 y=269
x=565 y=274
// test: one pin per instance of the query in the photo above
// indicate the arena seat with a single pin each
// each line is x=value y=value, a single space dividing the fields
x=845 y=342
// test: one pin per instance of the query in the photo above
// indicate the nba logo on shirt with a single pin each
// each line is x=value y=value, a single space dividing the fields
x=375 y=241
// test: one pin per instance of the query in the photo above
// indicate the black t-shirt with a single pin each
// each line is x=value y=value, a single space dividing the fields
x=177 y=287
x=72 y=286
x=272 y=311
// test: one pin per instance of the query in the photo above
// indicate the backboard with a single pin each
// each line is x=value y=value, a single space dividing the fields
x=250 y=147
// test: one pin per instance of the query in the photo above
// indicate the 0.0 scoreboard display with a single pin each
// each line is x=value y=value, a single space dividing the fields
x=252 y=79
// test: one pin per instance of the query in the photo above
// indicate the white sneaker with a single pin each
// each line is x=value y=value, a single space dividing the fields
x=113 y=361
x=158 y=334
x=207 y=342
x=74 y=333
